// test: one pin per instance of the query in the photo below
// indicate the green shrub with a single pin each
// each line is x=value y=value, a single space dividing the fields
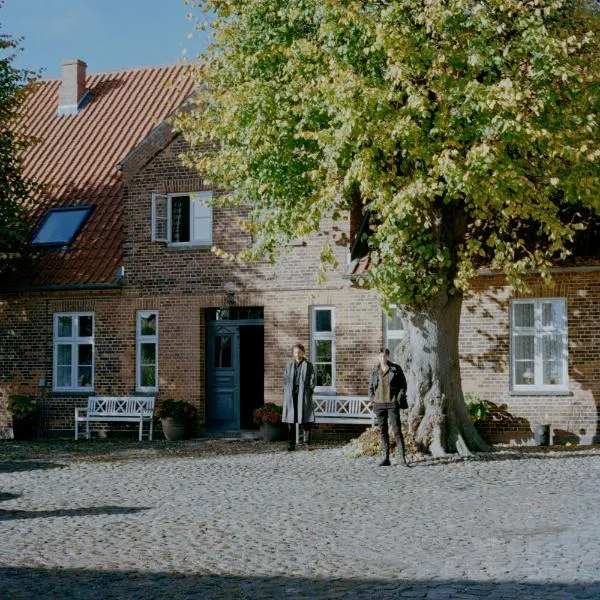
x=21 y=406
x=477 y=409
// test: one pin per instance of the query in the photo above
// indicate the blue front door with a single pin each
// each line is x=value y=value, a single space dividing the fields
x=223 y=376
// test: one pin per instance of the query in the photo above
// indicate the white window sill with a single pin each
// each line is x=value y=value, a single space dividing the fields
x=325 y=391
x=541 y=392
x=190 y=246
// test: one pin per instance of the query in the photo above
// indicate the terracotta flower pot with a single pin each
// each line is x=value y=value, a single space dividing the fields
x=272 y=432
x=174 y=429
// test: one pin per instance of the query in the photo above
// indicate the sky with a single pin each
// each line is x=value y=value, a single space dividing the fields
x=108 y=35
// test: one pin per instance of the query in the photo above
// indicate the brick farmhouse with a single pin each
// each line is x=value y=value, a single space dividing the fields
x=119 y=292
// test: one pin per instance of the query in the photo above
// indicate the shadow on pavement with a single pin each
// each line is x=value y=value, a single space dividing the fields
x=9 y=515
x=29 y=583
x=15 y=466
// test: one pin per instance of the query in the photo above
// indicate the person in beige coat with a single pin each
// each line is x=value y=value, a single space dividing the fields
x=298 y=387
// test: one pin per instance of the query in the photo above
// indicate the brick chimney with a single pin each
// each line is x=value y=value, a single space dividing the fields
x=72 y=95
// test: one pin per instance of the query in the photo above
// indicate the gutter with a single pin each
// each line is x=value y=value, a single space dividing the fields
x=64 y=287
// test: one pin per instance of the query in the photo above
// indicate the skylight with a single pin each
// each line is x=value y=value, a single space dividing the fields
x=60 y=225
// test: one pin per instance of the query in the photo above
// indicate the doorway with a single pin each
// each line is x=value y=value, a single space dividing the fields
x=234 y=367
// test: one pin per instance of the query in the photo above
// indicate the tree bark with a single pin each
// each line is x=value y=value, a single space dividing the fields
x=437 y=417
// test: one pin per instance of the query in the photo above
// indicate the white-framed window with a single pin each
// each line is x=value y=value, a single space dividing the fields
x=393 y=330
x=322 y=351
x=182 y=219
x=73 y=355
x=539 y=351
x=146 y=376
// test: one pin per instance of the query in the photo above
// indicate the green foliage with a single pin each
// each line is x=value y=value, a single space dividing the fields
x=478 y=410
x=21 y=406
x=467 y=130
x=268 y=413
x=15 y=189
x=180 y=410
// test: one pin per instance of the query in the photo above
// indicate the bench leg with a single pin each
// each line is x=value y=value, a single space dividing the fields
x=151 y=427
x=76 y=429
x=87 y=430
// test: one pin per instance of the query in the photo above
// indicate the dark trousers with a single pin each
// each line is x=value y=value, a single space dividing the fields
x=390 y=413
x=305 y=427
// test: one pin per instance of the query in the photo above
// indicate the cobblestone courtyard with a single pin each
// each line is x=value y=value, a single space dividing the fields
x=221 y=520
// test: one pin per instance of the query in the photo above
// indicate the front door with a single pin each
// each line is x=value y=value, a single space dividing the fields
x=223 y=376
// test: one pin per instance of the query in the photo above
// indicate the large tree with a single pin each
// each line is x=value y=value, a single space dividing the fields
x=465 y=130
x=15 y=189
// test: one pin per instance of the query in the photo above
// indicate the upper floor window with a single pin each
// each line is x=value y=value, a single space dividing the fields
x=393 y=331
x=323 y=347
x=60 y=225
x=146 y=379
x=539 y=353
x=73 y=356
x=182 y=219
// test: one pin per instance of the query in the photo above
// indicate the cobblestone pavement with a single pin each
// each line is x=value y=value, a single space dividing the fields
x=309 y=524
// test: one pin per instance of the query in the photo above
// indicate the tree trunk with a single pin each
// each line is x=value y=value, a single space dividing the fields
x=438 y=422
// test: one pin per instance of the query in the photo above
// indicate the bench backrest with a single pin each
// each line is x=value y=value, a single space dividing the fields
x=121 y=405
x=342 y=406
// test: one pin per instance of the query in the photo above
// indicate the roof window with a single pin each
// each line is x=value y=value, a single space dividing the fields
x=60 y=225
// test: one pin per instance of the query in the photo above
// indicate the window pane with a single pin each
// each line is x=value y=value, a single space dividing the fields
x=148 y=325
x=394 y=322
x=524 y=372
x=65 y=327
x=85 y=354
x=552 y=359
x=552 y=315
x=392 y=345
x=180 y=219
x=324 y=351
x=223 y=351
x=63 y=356
x=323 y=375
x=524 y=349
x=60 y=226
x=524 y=315
x=84 y=376
x=323 y=320
x=148 y=354
x=148 y=376
x=63 y=376
x=86 y=326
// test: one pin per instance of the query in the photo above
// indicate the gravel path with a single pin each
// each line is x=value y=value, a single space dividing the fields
x=221 y=520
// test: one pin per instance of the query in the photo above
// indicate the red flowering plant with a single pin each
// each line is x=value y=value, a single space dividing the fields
x=268 y=413
x=176 y=409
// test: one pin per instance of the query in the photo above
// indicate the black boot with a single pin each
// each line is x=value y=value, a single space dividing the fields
x=400 y=453
x=291 y=437
x=386 y=453
x=306 y=436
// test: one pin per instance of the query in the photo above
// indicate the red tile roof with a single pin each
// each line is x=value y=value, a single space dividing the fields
x=77 y=159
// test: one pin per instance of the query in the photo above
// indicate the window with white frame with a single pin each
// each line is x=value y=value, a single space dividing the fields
x=73 y=356
x=146 y=379
x=393 y=331
x=323 y=347
x=539 y=352
x=182 y=219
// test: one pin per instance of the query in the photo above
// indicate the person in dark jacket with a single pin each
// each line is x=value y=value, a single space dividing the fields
x=298 y=387
x=387 y=392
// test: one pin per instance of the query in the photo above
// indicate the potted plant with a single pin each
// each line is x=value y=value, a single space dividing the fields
x=24 y=413
x=176 y=417
x=268 y=416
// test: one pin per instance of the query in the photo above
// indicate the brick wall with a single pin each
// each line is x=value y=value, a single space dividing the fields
x=485 y=342
x=182 y=283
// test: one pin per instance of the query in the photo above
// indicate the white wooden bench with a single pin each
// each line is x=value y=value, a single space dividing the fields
x=125 y=409
x=343 y=410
